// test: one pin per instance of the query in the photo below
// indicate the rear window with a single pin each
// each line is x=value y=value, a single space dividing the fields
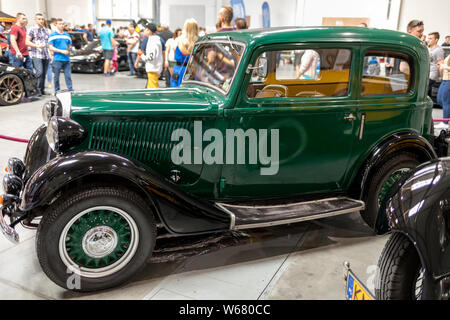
x=387 y=73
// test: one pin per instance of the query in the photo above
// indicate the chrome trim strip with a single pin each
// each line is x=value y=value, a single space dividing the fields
x=232 y=216
x=66 y=102
x=287 y=205
x=302 y=219
x=361 y=130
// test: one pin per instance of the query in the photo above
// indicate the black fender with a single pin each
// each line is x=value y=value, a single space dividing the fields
x=181 y=213
x=401 y=141
x=38 y=152
x=419 y=207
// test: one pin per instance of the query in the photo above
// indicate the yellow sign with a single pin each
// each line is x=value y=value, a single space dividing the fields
x=356 y=290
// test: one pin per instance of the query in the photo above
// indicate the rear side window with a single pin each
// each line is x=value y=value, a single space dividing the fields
x=387 y=73
x=303 y=73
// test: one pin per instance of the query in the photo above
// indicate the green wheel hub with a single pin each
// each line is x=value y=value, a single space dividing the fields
x=98 y=239
x=389 y=183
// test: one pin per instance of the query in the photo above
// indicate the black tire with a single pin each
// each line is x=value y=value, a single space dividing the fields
x=400 y=269
x=59 y=217
x=12 y=90
x=403 y=161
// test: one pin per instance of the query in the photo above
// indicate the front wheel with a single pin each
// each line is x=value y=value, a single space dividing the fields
x=95 y=239
x=402 y=276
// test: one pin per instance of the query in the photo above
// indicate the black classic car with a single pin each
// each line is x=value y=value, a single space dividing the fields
x=16 y=83
x=415 y=263
x=90 y=58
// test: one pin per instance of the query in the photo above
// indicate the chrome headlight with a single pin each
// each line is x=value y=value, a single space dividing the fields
x=64 y=134
x=52 y=134
x=48 y=110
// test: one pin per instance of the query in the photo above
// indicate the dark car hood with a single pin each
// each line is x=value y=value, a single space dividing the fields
x=184 y=101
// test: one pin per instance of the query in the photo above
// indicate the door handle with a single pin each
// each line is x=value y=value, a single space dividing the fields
x=350 y=117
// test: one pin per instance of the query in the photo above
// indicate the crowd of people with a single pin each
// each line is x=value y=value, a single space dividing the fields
x=439 y=67
x=46 y=47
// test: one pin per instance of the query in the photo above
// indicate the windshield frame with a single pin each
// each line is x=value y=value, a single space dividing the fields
x=226 y=40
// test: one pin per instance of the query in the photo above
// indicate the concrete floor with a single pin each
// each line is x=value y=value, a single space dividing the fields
x=299 y=261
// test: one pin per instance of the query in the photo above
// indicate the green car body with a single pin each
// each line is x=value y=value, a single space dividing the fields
x=331 y=153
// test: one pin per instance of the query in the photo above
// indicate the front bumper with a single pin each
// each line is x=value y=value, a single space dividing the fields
x=10 y=200
x=9 y=232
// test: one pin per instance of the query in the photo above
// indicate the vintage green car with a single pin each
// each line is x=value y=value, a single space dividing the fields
x=269 y=127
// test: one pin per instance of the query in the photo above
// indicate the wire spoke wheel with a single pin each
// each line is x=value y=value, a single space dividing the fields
x=390 y=181
x=11 y=89
x=99 y=241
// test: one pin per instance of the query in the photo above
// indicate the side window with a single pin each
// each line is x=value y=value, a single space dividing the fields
x=302 y=73
x=386 y=73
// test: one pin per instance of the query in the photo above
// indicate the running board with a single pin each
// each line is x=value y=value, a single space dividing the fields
x=257 y=216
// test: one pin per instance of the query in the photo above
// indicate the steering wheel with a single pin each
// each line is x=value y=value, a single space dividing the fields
x=309 y=93
x=279 y=86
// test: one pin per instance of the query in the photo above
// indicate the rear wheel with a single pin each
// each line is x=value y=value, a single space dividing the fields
x=385 y=177
x=95 y=239
x=401 y=273
x=11 y=90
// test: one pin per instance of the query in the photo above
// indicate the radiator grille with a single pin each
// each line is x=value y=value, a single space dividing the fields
x=140 y=140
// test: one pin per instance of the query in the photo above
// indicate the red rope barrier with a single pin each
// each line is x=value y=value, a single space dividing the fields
x=441 y=120
x=13 y=139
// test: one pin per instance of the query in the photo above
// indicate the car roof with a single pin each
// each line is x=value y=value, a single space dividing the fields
x=256 y=37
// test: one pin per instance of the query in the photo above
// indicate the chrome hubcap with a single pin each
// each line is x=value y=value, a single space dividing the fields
x=100 y=242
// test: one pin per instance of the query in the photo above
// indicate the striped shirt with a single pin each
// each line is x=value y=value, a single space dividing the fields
x=61 y=41
x=39 y=36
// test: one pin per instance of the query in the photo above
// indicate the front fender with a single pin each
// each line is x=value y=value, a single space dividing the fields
x=419 y=207
x=180 y=212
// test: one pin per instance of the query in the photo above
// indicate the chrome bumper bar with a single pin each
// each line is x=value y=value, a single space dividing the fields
x=10 y=233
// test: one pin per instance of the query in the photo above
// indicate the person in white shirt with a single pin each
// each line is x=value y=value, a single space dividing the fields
x=171 y=46
x=308 y=66
x=436 y=59
x=153 y=57
x=133 y=40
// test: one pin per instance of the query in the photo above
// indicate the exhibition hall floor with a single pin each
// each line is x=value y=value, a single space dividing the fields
x=298 y=261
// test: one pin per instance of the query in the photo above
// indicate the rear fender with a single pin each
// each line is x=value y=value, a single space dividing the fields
x=180 y=212
x=399 y=142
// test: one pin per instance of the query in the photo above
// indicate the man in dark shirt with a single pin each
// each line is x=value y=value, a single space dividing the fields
x=225 y=19
x=20 y=56
x=447 y=42
x=87 y=36
x=165 y=33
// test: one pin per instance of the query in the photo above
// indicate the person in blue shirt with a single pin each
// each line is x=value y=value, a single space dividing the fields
x=87 y=36
x=108 y=45
x=60 y=44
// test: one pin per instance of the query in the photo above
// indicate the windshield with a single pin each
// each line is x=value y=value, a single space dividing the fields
x=215 y=63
